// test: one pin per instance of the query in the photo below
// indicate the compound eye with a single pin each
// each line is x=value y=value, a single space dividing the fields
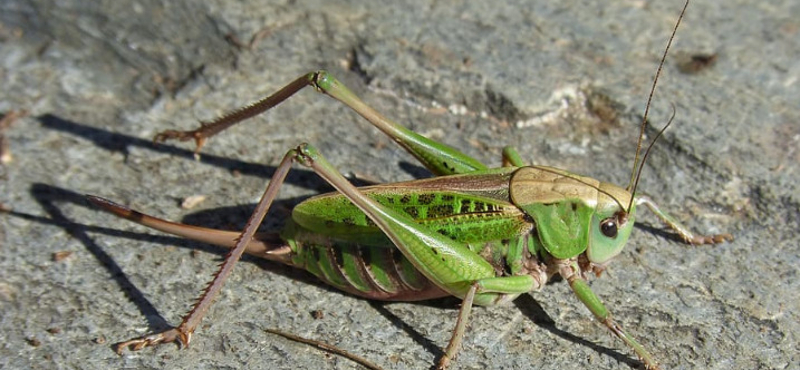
x=609 y=227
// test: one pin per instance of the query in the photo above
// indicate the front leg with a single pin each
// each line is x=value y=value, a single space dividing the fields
x=687 y=235
x=570 y=271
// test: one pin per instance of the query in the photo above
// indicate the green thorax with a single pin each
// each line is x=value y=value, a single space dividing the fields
x=561 y=204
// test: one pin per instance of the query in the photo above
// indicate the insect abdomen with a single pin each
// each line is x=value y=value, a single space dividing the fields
x=375 y=272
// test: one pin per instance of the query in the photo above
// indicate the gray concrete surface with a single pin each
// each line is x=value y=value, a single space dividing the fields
x=99 y=79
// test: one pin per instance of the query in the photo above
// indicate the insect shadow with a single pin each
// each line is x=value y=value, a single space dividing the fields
x=56 y=202
x=52 y=199
x=120 y=143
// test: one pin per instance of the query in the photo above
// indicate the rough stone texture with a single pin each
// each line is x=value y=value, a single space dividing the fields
x=100 y=80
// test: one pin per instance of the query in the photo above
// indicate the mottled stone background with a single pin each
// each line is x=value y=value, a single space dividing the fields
x=565 y=82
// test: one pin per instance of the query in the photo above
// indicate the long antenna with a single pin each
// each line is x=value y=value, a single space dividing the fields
x=637 y=168
x=647 y=153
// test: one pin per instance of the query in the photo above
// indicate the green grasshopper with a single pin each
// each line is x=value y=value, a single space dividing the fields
x=484 y=235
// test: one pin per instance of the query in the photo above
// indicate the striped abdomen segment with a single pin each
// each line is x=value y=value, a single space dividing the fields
x=374 y=272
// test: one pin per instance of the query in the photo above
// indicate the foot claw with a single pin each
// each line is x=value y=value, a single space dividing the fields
x=173 y=135
x=197 y=135
x=152 y=340
x=710 y=239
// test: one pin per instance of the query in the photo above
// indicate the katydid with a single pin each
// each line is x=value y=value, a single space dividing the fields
x=485 y=235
